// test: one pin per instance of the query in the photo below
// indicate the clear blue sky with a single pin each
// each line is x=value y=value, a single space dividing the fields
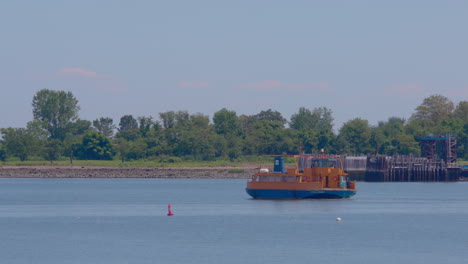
x=367 y=59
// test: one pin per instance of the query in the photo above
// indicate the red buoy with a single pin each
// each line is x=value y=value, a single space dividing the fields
x=169 y=210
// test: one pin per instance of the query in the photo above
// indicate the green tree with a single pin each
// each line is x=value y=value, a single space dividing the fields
x=105 y=126
x=267 y=137
x=136 y=149
x=226 y=122
x=377 y=140
x=36 y=130
x=154 y=140
x=56 y=109
x=418 y=130
x=96 y=146
x=407 y=145
x=127 y=122
x=194 y=136
x=326 y=137
x=270 y=115
x=71 y=145
x=3 y=154
x=122 y=147
x=354 y=137
x=19 y=142
x=320 y=119
x=24 y=142
x=303 y=120
x=390 y=138
x=432 y=110
x=200 y=121
x=315 y=129
x=384 y=136
x=461 y=113
x=437 y=115
x=128 y=128
x=463 y=150
x=79 y=127
x=182 y=118
x=168 y=119
x=145 y=125
x=52 y=149
x=129 y=134
x=195 y=144
x=308 y=140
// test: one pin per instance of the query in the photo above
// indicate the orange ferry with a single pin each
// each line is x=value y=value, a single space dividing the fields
x=314 y=177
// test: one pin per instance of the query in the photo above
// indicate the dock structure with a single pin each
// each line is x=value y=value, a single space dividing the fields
x=381 y=168
x=409 y=169
x=355 y=166
x=438 y=163
x=445 y=144
x=464 y=173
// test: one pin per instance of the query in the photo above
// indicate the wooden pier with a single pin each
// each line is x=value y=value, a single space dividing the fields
x=429 y=168
x=380 y=168
x=409 y=169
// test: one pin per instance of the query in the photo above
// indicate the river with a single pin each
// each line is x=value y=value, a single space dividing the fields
x=124 y=221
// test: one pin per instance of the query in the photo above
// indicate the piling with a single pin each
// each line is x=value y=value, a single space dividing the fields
x=403 y=168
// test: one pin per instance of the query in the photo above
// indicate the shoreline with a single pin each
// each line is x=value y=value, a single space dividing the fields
x=107 y=172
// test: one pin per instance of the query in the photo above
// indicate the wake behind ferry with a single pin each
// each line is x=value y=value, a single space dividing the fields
x=313 y=177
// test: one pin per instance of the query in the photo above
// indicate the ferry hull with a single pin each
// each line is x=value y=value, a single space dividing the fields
x=299 y=194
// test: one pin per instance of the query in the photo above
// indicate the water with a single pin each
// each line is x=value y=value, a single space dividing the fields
x=124 y=221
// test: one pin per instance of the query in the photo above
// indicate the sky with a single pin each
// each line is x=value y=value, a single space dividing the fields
x=361 y=59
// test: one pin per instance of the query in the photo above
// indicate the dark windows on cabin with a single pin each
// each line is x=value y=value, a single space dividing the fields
x=276 y=178
x=323 y=163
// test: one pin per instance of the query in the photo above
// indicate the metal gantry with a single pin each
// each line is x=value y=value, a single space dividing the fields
x=448 y=147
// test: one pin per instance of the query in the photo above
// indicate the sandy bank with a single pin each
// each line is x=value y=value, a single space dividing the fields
x=101 y=172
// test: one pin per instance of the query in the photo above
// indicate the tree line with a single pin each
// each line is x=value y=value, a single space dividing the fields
x=56 y=132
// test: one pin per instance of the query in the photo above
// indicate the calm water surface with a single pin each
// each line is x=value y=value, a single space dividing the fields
x=124 y=221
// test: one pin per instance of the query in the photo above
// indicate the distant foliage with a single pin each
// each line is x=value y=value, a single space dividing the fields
x=127 y=122
x=3 y=154
x=96 y=146
x=21 y=142
x=57 y=133
x=433 y=110
x=52 y=149
x=57 y=110
x=105 y=126
x=390 y=138
x=270 y=115
x=226 y=123
x=355 y=137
